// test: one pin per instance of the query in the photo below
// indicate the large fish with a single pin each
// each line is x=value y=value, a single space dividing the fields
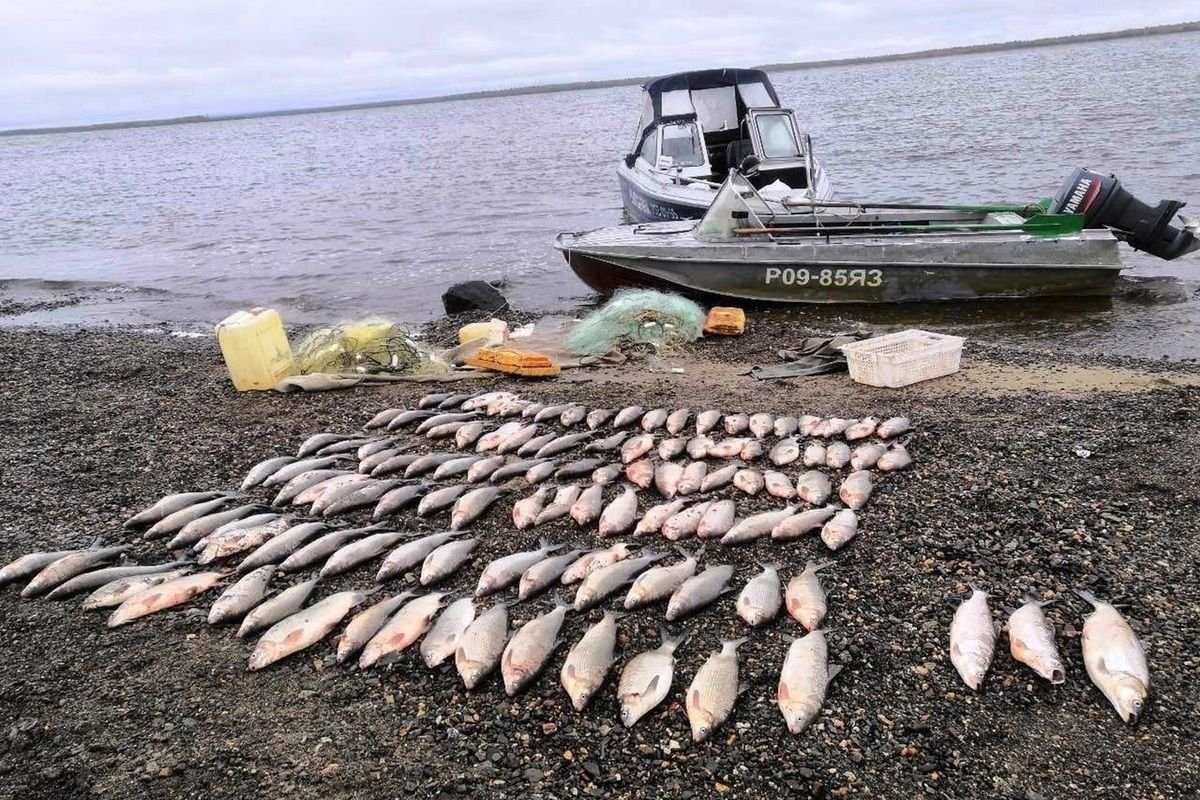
x=455 y=467
x=319 y=441
x=748 y=481
x=265 y=469
x=399 y=498
x=175 y=521
x=548 y=413
x=589 y=660
x=322 y=547
x=247 y=592
x=275 y=609
x=672 y=448
x=719 y=478
x=304 y=628
x=807 y=424
x=514 y=469
x=472 y=505
x=866 y=455
x=813 y=487
x=169 y=505
x=280 y=546
x=861 y=429
x=698 y=446
x=540 y=472
x=831 y=426
x=856 y=490
x=598 y=416
x=362 y=497
x=606 y=580
x=469 y=434
x=698 y=591
x=692 y=478
x=351 y=555
x=784 y=452
x=315 y=492
x=761 y=597
x=481 y=645
x=558 y=508
x=506 y=570
x=711 y=696
x=779 y=485
x=530 y=647
x=751 y=450
x=641 y=473
x=620 y=514
x=525 y=510
x=837 y=455
x=239 y=540
x=895 y=426
x=514 y=440
x=756 y=526
x=627 y=416
x=596 y=559
x=667 y=477
x=736 y=423
x=116 y=592
x=31 y=564
x=286 y=473
x=573 y=415
x=438 y=420
x=803 y=523
x=814 y=455
x=304 y=481
x=164 y=595
x=542 y=574
x=804 y=680
x=410 y=554
x=608 y=444
x=972 y=638
x=440 y=499
x=652 y=521
x=896 y=458
x=481 y=470
x=1114 y=659
x=840 y=529
x=492 y=439
x=585 y=466
x=677 y=420
x=365 y=624
x=400 y=462
x=786 y=426
x=382 y=419
x=635 y=448
x=587 y=508
x=706 y=421
x=443 y=638
x=86 y=581
x=63 y=569
x=654 y=419
x=727 y=448
x=402 y=631
x=805 y=598
x=762 y=425
x=445 y=560
x=684 y=524
x=428 y=463
x=1031 y=641
x=536 y=443
x=408 y=417
x=717 y=519
x=447 y=430
x=660 y=582
x=562 y=444
x=646 y=679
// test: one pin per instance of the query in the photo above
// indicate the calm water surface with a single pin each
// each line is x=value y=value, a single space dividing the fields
x=331 y=216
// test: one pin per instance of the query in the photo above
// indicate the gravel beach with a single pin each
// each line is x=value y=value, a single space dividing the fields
x=1033 y=474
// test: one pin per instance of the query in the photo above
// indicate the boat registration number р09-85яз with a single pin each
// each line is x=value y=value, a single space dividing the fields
x=823 y=277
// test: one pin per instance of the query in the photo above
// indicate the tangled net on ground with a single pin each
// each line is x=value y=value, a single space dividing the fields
x=368 y=347
x=635 y=321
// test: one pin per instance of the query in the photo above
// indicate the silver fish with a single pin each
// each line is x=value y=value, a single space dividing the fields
x=698 y=591
x=277 y=608
x=481 y=645
x=428 y=463
x=587 y=507
x=666 y=479
x=717 y=519
x=893 y=427
x=440 y=499
x=92 y=579
x=514 y=440
x=398 y=463
x=532 y=410
x=627 y=416
x=469 y=434
x=550 y=412
x=443 y=638
x=646 y=680
x=635 y=448
x=813 y=487
x=706 y=421
x=31 y=564
x=1114 y=659
x=972 y=638
x=867 y=455
x=751 y=450
x=289 y=471
x=536 y=443
x=861 y=429
x=720 y=478
x=727 y=448
x=856 y=490
x=840 y=529
x=1031 y=641
x=619 y=515
x=304 y=628
x=582 y=466
x=562 y=444
x=589 y=660
x=761 y=425
x=814 y=455
x=596 y=559
x=698 y=446
x=411 y=554
x=368 y=494
x=313 y=492
x=685 y=523
x=472 y=505
x=381 y=419
x=654 y=419
x=805 y=597
x=481 y=470
x=564 y=499
x=64 y=569
x=748 y=481
x=778 y=485
x=672 y=448
x=163 y=596
x=491 y=440
x=542 y=574
x=692 y=478
x=677 y=420
x=608 y=444
x=756 y=526
x=456 y=400
x=641 y=473
x=367 y=465
x=831 y=426
x=598 y=416
x=652 y=521
x=786 y=426
x=432 y=400
x=343 y=446
x=238 y=540
x=176 y=521
x=711 y=696
x=359 y=552
x=530 y=647
x=447 y=430
x=659 y=583
x=607 y=474
x=541 y=472
x=784 y=452
x=896 y=458
x=445 y=560
x=408 y=417
x=604 y=581
x=514 y=469
x=455 y=467
x=398 y=498
x=242 y=596
x=807 y=424
x=401 y=631
x=804 y=680
x=443 y=419
x=803 y=523
x=736 y=423
x=322 y=547
x=525 y=510
x=337 y=489
x=265 y=469
x=116 y=592
x=281 y=545
x=761 y=597
x=572 y=416
x=505 y=571
x=837 y=455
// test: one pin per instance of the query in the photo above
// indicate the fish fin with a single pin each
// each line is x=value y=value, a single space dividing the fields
x=1089 y=597
x=976 y=588
x=734 y=644
x=1008 y=610
x=693 y=698
x=569 y=672
x=650 y=686
x=616 y=615
x=782 y=694
x=832 y=673
x=817 y=567
x=560 y=601
x=671 y=641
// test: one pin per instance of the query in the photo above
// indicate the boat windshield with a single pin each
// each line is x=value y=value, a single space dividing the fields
x=736 y=206
x=778 y=138
x=681 y=141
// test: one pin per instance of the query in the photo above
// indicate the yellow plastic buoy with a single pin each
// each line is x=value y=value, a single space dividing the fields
x=256 y=349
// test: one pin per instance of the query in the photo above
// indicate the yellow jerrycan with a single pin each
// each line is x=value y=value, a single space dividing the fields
x=256 y=349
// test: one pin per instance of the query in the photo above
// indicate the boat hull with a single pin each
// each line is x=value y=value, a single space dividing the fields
x=643 y=205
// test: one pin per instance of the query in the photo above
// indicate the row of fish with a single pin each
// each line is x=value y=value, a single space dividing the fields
x=1112 y=654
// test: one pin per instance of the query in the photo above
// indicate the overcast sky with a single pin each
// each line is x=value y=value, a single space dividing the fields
x=78 y=61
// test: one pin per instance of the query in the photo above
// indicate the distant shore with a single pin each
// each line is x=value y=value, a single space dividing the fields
x=1157 y=30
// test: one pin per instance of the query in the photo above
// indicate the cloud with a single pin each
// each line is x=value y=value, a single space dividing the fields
x=79 y=61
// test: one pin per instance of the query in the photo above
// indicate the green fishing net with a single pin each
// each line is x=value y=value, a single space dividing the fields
x=636 y=319
x=366 y=347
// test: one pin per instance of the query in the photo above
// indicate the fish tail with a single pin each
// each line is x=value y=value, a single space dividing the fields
x=671 y=642
x=545 y=545
x=814 y=566
x=1089 y=597
x=616 y=615
x=733 y=644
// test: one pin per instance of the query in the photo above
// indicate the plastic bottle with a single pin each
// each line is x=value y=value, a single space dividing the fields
x=256 y=348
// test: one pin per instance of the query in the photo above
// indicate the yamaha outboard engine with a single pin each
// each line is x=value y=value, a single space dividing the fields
x=1105 y=204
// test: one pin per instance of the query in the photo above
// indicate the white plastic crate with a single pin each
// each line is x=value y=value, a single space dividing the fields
x=900 y=359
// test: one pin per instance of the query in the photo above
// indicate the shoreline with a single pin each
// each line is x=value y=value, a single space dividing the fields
x=102 y=422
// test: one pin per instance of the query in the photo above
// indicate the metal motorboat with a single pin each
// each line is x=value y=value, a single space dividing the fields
x=696 y=126
x=844 y=251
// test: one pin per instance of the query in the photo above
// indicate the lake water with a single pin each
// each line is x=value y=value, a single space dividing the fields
x=338 y=215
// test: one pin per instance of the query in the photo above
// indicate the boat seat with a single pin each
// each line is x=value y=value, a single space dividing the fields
x=737 y=150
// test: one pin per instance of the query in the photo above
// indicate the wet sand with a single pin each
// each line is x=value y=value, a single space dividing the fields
x=101 y=423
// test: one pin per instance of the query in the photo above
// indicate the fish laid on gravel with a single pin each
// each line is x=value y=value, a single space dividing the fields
x=861 y=429
x=720 y=478
x=442 y=640
x=396 y=464
x=398 y=499
x=786 y=426
x=444 y=419
x=481 y=645
x=587 y=508
x=440 y=499
x=561 y=506
x=762 y=425
x=752 y=450
x=167 y=594
x=596 y=559
x=640 y=473
x=717 y=519
x=801 y=524
x=514 y=469
x=652 y=521
x=620 y=514
x=489 y=441
x=574 y=415
x=635 y=448
x=365 y=624
x=265 y=469
x=748 y=481
x=813 y=487
x=654 y=419
x=866 y=456
x=315 y=492
x=684 y=524
x=778 y=485
x=677 y=420
x=1031 y=641
x=455 y=467
x=841 y=528
x=118 y=591
x=646 y=680
x=627 y=416
x=814 y=455
x=698 y=446
x=525 y=510
x=381 y=419
x=756 y=526
x=175 y=522
x=672 y=448
x=548 y=413
x=401 y=631
x=277 y=608
x=606 y=580
x=562 y=444
x=727 y=448
x=893 y=427
x=245 y=593
x=351 y=555
x=408 y=417
x=761 y=597
x=831 y=426
x=666 y=479
x=304 y=481
x=410 y=554
x=469 y=434
x=304 y=628
x=897 y=458
x=506 y=570
x=447 y=430
x=290 y=471
x=378 y=445
x=597 y=417
x=92 y=579
x=837 y=455
x=280 y=546
x=589 y=660
x=169 y=505
x=698 y=591
x=736 y=423
x=856 y=489
x=429 y=462
x=446 y=559
x=541 y=472
x=530 y=648
x=805 y=597
x=322 y=547
x=659 y=583
x=692 y=478
x=63 y=569
x=362 y=497
x=481 y=470
x=706 y=421
x=318 y=441
x=472 y=505
x=608 y=444
x=785 y=452
x=972 y=638
x=807 y=424
x=337 y=490
x=366 y=466
x=239 y=540
x=31 y=564
x=804 y=680
x=1114 y=659
x=542 y=574
x=714 y=689
x=585 y=466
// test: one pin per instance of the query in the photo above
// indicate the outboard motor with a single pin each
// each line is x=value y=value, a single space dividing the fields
x=1105 y=204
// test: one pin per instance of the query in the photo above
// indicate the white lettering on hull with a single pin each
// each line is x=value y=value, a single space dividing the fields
x=825 y=278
